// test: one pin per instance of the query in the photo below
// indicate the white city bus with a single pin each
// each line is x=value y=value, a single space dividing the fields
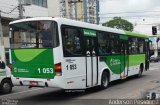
x=68 y=54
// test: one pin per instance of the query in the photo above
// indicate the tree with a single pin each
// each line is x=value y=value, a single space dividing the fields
x=119 y=23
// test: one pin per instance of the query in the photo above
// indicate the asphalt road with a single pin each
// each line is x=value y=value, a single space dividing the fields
x=131 y=88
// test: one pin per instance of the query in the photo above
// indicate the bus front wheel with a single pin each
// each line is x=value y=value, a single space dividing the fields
x=140 y=72
x=104 y=80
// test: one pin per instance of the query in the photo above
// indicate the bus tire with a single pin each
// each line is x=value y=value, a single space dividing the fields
x=104 y=80
x=6 y=86
x=140 y=72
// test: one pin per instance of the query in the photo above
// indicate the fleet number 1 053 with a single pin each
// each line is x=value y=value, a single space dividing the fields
x=45 y=70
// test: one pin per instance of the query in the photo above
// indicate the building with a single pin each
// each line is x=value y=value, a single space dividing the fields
x=82 y=10
x=10 y=10
x=145 y=24
x=54 y=8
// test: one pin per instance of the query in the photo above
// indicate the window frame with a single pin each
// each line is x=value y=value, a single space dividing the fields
x=108 y=44
x=144 y=46
x=53 y=23
x=138 y=38
x=41 y=3
x=81 y=40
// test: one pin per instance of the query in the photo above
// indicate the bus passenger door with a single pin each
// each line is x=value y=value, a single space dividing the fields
x=124 y=59
x=91 y=61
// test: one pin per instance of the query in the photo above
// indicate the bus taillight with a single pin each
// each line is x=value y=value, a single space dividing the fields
x=58 y=69
x=10 y=66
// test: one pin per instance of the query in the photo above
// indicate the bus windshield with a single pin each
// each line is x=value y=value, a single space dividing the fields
x=34 y=34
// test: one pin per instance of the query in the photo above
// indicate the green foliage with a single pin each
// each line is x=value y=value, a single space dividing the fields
x=119 y=23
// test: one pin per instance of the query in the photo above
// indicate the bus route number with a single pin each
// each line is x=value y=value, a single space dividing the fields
x=45 y=70
x=71 y=67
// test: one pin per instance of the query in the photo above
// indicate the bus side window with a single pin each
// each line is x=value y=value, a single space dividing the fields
x=141 y=45
x=114 y=43
x=133 y=45
x=103 y=42
x=71 y=41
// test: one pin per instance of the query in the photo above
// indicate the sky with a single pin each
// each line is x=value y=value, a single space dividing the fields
x=130 y=9
x=136 y=11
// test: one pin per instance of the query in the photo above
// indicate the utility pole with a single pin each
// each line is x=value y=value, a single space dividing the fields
x=20 y=7
x=2 y=49
x=75 y=10
x=1 y=31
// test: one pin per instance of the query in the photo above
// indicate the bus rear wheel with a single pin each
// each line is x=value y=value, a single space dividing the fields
x=104 y=80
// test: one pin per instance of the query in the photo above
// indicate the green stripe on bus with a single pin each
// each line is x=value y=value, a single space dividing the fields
x=38 y=65
x=136 y=34
x=26 y=55
x=136 y=59
x=116 y=63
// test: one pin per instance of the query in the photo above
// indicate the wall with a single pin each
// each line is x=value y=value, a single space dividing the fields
x=29 y=11
x=144 y=25
x=54 y=9
x=80 y=12
x=35 y=11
